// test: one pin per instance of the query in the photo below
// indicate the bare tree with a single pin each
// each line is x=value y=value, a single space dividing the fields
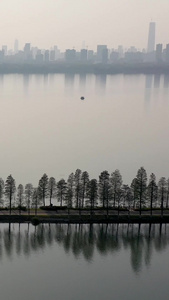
x=77 y=179
x=70 y=192
x=162 y=192
x=43 y=188
x=141 y=185
x=92 y=194
x=104 y=188
x=167 y=192
x=10 y=189
x=20 y=196
x=116 y=183
x=28 y=195
x=134 y=189
x=84 y=182
x=152 y=191
x=35 y=199
x=1 y=190
x=61 y=191
x=51 y=189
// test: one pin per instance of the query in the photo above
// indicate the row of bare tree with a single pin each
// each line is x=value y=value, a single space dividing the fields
x=80 y=192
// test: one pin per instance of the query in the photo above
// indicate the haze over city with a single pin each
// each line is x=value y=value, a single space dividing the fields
x=74 y=23
x=84 y=177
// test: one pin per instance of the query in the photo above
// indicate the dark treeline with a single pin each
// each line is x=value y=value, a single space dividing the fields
x=79 y=191
x=78 y=67
x=84 y=240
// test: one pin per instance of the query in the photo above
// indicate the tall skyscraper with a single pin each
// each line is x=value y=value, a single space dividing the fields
x=151 y=37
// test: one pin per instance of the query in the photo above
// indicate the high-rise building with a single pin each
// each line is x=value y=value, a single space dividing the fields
x=27 y=48
x=90 y=55
x=159 y=49
x=104 y=56
x=100 y=49
x=167 y=53
x=70 y=55
x=5 y=49
x=52 y=55
x=46 y=56
x=27 y=52
x=83 y=55
x=151 y=37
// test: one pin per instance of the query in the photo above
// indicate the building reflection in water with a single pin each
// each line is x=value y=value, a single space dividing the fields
x=100 y=84
x=166 y=81
x=69 y=83
x=82 y=81
x=45 y=79
x=157 y=79
x=26 y=83
x=148 y=87
x=85 y=240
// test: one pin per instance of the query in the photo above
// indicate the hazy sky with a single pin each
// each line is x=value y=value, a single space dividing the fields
x=67 y=23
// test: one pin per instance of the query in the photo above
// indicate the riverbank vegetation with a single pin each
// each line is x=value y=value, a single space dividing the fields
x=80 y=193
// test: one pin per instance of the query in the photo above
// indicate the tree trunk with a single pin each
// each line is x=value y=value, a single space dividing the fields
x=10 y=203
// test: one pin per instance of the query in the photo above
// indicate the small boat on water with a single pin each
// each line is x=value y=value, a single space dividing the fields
x=82 y=98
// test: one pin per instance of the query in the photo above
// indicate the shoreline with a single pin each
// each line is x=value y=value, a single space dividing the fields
x=84 y=69
x=134 y=219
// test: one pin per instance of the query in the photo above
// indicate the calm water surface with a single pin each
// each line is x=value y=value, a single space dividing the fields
x=84 y=262
x=44 y=126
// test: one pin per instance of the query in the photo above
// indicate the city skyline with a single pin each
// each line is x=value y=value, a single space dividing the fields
x=155 y=53
x=151 y=37
x=73 y=23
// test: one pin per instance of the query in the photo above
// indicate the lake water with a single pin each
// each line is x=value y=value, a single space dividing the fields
x=123 y=123
x=84 y=262
x=45 y=128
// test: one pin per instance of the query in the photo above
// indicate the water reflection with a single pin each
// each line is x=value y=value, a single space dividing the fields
x=45 y=79
x=100 y=84
x=166 y=81
x=87 y=240
x=148 y=87
x=26 y=83
x=82 y=80
x=157 y=78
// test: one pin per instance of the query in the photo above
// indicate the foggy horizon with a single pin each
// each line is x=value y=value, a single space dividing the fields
x=108 y=22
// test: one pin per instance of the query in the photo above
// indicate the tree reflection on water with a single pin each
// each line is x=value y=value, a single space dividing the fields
x=87 y=240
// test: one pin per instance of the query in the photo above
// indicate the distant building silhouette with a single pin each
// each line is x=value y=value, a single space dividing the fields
x=27 y=48
x=100 y=49
x=27 y=52
x=151 y=37
x=167 y=53
x=83 y=55
x=5 y=49
x=46 y=56
x=70 y=55
x=104 y=57
x=159 y=52
x=39 y=56
x=114 y=56
x=120 y=51
x=52 y=55
x=90 y=55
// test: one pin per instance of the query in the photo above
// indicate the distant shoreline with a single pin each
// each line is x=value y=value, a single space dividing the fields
x=65 y=219
x=88 y=68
